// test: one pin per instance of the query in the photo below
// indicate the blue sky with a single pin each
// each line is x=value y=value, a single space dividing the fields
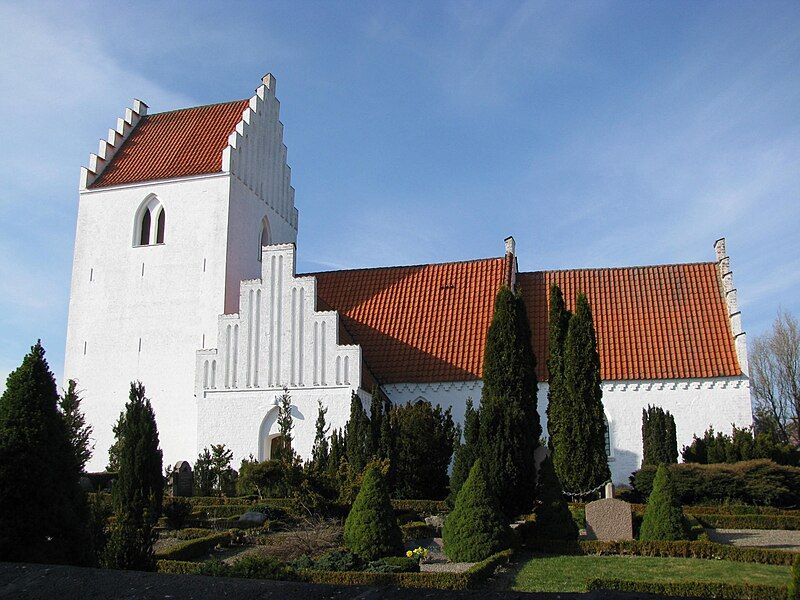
x=597 y=133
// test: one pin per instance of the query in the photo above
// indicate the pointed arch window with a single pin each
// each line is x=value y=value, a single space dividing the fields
x=150 y=224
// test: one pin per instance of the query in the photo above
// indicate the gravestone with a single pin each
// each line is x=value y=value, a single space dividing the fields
x=182 y=479
x=609 y=519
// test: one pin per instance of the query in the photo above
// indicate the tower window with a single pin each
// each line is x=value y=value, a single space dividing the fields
x=150 y=224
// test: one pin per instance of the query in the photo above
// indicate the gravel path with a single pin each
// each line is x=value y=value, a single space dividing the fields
x=779 y=539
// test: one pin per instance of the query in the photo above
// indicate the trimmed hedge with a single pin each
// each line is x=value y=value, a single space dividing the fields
x=470 y=578
x=443 y=581
x=194 y=548
x=700 y=589
x=759 y=482
x=203 y=501
x=672 y=549
x=187 y=533
x=417 y=530
x=222 y=511
x=740 y=509
x=748 y=521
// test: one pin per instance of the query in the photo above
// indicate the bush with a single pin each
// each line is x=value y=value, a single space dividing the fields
x=759 y=482
x=701 y=589
x=338 y=560
x=371 y=530
x=188 y=533
x=663 y=517
x=259 y=567
x=393 y=564
x=178 y=567
x=176 y=511
x=268 y=478
x=741 y=445
x=194 y=548
x=749 y=521
x=422 y=508
x=553 y=518
x=476 y=528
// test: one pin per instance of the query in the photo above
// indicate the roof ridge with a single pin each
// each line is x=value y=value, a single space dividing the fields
x=454 y=262
x=655 y=266
x=174 y=110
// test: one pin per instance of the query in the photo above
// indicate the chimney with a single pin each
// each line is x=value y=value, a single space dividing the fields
x=510 y=278
x=732 y=303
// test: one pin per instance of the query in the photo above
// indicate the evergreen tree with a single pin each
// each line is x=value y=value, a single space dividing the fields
x=358 y=436
x=558 y=325
x=113 y=451
x=663 y=516
x=466 y=453
x=579 y=440
x=476 y=528
x=79 y=432
x=320 y=451
x=553 y=519
x=284 y=451
x=43 y=514
x=371 y=529
x=385 y=449
x=424 y=440
x=660 y=444
x=337 y=453
x=139 y=489
x=222 y=474
x=509 y=429
x=376 y=418
x=203 y=474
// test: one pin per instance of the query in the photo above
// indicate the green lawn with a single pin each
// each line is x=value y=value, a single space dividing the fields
x=570 y=573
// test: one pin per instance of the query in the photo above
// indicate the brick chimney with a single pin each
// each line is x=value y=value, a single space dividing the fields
x=510 y=277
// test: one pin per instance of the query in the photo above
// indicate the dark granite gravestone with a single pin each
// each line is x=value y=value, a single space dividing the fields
x=182 y=483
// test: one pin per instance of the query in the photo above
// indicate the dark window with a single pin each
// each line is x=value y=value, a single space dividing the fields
x=144 y=238
x=160 y=227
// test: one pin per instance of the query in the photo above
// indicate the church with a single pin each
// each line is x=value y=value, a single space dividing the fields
x=184 y=277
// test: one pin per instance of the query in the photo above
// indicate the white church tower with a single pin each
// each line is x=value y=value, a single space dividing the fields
x=174 y=209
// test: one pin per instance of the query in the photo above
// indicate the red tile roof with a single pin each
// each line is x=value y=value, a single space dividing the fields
x=661 y=322
x=428 y=323
x=174 y=144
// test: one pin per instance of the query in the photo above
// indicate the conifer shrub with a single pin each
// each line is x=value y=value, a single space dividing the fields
x=371 y=530
x=554 y=520
x=476 y=528
x=663 y=517
x=465 y=453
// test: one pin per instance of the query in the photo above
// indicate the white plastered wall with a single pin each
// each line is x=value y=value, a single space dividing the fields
x=167 y=295
x=696 y=404
x=277 y=339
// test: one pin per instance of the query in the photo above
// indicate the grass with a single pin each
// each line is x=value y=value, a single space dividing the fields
x=570 y=573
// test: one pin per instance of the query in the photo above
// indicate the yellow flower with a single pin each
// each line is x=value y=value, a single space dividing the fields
x=409 y=554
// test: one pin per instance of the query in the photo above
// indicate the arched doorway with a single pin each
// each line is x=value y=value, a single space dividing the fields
x=270 y=441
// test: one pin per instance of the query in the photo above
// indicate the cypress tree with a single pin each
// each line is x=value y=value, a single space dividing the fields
x=376 y=418
x=320 y=452
x=139 y=489
x=553 y=518
x=371 y=530
x=659 y=441
x=663 y=516
x=386 y=438
x=579 y=441
x=284 y=451
x=476 y=528
x=466 y=453
x=43 y=514
x=557 y=327
x=509 y=421
x=336 y=454
x=358 y=436
x=78 y=431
